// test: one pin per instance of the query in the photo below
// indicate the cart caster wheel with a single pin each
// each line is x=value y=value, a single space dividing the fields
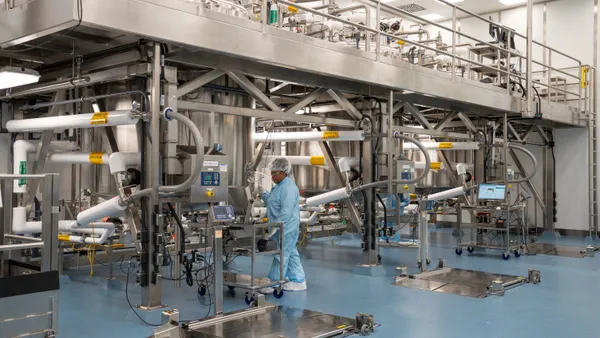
x=249 y=300
x=505 y=256
x=365 y=330
x=202 y=291
x=418 y=265
x=231 y=292
x=231 y=288
x=379 y=259
x=428 y=261
x=278 y=293
x=470 y=250
x=517 y=254
x=458 y=251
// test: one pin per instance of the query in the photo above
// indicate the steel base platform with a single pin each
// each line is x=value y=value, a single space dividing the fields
x=468 y=283
x=557 y=250
x=267 y=321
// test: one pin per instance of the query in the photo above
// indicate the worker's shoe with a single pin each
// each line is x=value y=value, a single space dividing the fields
x=266 y=291
x=294 y=286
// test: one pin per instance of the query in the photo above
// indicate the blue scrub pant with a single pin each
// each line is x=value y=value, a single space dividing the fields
x=292 y=266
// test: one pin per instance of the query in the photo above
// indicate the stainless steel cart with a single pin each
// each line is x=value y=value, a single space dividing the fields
x=514 y=216
x=250 y=282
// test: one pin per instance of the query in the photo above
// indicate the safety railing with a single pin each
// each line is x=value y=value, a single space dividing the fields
x=500 y=52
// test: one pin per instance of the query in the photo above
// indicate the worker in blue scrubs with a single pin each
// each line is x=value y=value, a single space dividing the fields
x=282 y=206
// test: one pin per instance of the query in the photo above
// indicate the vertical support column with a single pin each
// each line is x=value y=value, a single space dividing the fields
x=150 y=278
x=529 y=111
x=549 y=188
x=218 y=264
x=369 y=262
x=390 y=149
x=505 y=149
x=50 y=216
x=172 y=165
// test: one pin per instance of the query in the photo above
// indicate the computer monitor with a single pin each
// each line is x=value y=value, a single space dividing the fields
x=492 y=192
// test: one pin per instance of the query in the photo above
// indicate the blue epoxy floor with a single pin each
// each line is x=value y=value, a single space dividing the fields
x=565 y=304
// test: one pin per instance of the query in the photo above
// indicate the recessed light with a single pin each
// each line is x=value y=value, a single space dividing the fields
x=432 y=16
x=511 y=2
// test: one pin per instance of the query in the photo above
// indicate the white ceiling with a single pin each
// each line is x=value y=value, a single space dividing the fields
x=477 y=6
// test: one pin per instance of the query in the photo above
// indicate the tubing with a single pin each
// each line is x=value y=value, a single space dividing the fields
x=119 y=162
x=446 y=194
x=414 y=180
x=535 y=166
x=103 y=119
x=327 y=197
x=107 y=208
x=344 y=163
x=78 y=158
x=344 y=135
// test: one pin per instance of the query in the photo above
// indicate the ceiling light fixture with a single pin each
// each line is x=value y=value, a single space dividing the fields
x=511 y=2
x=432 y=17
x=16 y=76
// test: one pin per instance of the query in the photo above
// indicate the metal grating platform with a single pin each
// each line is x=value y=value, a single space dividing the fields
x=468 y=283
x=557 y=250
x=273 y=322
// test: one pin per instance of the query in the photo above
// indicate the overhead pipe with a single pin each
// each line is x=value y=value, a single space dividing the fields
x=87 y=98
x=20 y=150
x=121 y=161
x=78 y=158
x=103 y=119
x=445 y=145
x=367 y=19
x=343 y=135
x=344 y=163
x=105 y=209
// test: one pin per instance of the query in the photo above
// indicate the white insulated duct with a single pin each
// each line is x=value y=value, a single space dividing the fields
x=344 y=163
x=104 y=209
x=78 y=158
x=450 y=193
x=92 y=120
x=119 y=162
x=445 y=145
x=20 y=150
x=328 y=197
x=342 y=135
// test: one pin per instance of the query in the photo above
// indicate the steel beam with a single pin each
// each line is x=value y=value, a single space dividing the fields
x=416 y=113
x=190 y=86
x=530 y=185
x=467 y=122
x=335 y=170
x=239 y=111
x=249 y=87
x=305 y=101
x=339 y=97
x=279 y=86
x=514 y=132
x=42 y=153
x=526 y=135
x=431 y=132
x=543 y=134
x=442 y=124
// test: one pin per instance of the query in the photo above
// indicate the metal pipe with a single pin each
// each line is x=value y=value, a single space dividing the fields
x=112 y=118
x=367 y=20
x=529 y=67
x=85 y=99
x=22 y=238
x=12 y=247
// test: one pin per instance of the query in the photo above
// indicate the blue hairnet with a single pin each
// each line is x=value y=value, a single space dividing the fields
x=281 y=164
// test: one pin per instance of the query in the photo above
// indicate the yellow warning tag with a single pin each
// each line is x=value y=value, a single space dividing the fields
x=327 y=135
x=341 y=326
x=400 y=42
x=96 y=158
x=584 y=71
x=445 y=145
x=436 y=165
x=317 y=160
x=292 y=9
x=99 y=118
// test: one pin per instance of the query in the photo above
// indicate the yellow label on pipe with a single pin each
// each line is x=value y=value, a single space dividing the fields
x=400 y=42
x=584 y=71
x=445 y=145
x=99 y=118
x=64 y=238
x=436 y=165
x=328 y=135
x=96 y=158
x=292 y=9
x=317 y=160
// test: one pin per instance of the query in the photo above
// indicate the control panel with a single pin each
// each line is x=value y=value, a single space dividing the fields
x=220 y=215
x=213 y=184
x=405 y=171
